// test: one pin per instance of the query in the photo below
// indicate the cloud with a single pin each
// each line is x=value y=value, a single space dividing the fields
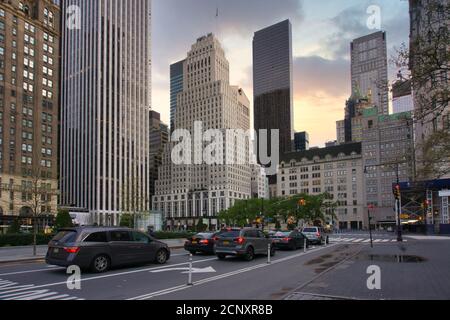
x=321 y=87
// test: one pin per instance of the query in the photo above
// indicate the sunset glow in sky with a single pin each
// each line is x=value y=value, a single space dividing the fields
x=321 y=32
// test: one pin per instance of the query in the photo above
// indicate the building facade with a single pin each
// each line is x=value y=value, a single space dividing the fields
x=301 y=141
x=260 y=183
x=158 y=138
x=337 y=171
x=187 y=192
x=106 y=97
x=388 y=158
x=369 y=69
x=29 y=107
x=402 y=98
x=273 y=83
x=176 y=86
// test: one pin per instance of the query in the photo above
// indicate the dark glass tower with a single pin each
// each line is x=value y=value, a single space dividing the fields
x=272 y=82
x=176 y=86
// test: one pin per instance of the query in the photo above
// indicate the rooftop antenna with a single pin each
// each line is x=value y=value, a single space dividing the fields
x=217 y=19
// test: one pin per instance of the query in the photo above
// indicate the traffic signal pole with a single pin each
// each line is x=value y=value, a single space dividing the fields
x=398 y=207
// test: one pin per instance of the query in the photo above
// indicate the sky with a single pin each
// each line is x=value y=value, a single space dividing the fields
x=321 y=34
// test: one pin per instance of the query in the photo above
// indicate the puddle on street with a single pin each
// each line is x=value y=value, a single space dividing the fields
x=397 y=258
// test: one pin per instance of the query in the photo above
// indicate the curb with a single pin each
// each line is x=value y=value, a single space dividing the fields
x=41 y=258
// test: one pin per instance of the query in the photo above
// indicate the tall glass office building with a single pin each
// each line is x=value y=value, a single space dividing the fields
x=272 y=82
x=176 y=86
x=105 y=102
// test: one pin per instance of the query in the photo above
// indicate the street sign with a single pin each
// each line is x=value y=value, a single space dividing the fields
x=444 y=193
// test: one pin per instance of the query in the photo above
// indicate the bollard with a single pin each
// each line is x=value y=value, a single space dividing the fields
x=268 y=254
x=190 y=271
x=305 y=244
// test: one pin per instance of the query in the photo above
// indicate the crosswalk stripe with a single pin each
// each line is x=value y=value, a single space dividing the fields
x=56 y=297
x=358 y=240
x=385 y=240
x=377 y=240
x=367 y=240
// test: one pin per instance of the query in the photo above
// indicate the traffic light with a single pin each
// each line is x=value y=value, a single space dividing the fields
x=397 y=192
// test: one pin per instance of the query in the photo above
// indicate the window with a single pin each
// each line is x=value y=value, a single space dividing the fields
x=120 y=236
x=140 y=237
x=97 y=237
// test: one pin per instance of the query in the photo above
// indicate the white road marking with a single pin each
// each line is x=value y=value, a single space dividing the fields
x=31 y=271
x=110 y=275
x=29 y=292
x=225 y=275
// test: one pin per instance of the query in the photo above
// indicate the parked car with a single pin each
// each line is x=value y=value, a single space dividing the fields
x=201 y=242
x=315 y=235
x=289 y=240
x=245 y=243
x=99 y=249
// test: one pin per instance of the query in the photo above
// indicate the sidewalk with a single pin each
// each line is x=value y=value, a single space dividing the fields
x=417 y=270
x=24 y=254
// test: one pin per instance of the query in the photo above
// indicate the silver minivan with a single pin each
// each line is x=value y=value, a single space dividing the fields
x=245 y=243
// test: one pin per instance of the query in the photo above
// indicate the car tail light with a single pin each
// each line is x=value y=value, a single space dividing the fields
x=287 y=239
x=204 y=241
x=72 y=249
x=216 y=238
x=318 y=234
x=240 y=240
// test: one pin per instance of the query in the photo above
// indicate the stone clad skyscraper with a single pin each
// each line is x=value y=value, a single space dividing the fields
x=106 y=96
x=187 y=193
x=272 y=82
x=369 y=70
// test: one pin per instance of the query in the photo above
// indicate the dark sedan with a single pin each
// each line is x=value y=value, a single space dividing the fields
x=289 y=240
x=201 y=242
x=99 y=249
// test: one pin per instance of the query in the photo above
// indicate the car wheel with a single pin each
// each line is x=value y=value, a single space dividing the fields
x=221 y=256
x=161 y=257
x=101 y=263
x=249 y=254
x=193 y=252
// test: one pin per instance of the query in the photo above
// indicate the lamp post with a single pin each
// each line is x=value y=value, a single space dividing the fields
x=370 y=225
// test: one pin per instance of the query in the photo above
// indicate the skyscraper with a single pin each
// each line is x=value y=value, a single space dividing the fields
x=29 y=94
x=301 y=141
x=176 y=86
x=158 y=138
x=272 y=82
x=106 y=96
x=188 y=193
x=369 y=70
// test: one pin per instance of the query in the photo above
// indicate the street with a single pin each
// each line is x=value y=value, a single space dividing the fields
x=336 y=271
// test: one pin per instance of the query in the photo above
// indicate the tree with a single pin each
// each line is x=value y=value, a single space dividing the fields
x=126 y=220
x=201 y=227
x=14 y=228
x=133 y=201
x=36 y=194
x=63 y=219
x=426 y=63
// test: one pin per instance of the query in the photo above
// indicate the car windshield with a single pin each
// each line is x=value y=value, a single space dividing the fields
x=204 y=235
x=229 y=234
x=281 y=235
x=65 y=236
x=310 y=230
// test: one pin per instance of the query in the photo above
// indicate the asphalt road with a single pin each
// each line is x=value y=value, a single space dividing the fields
x=229 y=279
x=336 y=271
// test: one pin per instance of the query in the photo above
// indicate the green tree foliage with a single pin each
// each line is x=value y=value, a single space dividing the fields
x=201 y=227
x=63 y=220
x=126 y=220
x=313 y=208
x=14 y=228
